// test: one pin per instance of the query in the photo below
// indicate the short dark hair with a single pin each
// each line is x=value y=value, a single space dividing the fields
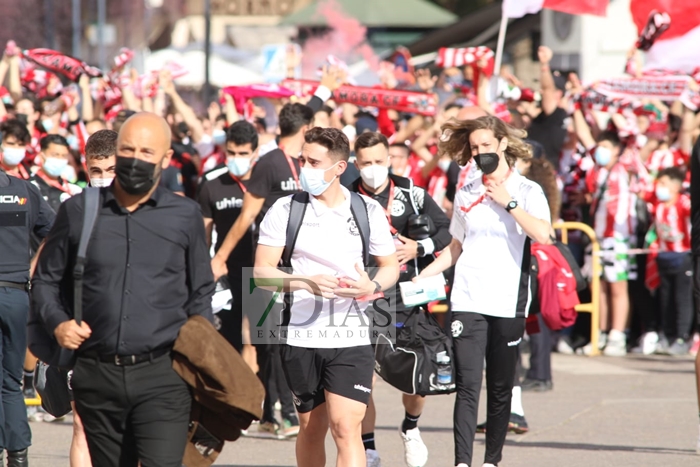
x=14 y=127
x=369 y=139
x=48 y=140
x=452 y=106
x=326 y=109
x=332 y=139
x=610 y=136
x=293 y=117
x=402 y=146
x=242 y=132
x=674 y=123
x=674 y=173
x=101 y=144
x=122 y=116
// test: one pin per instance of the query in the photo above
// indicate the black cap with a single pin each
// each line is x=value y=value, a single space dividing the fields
x=559 y=81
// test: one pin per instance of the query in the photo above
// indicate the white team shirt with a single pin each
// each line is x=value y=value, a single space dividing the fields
x=328 y=243
x=490 y=277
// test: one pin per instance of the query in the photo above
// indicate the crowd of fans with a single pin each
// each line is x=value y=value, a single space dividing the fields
x=625 y=172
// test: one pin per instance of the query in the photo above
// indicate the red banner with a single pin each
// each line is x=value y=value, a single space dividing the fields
x=62 y=64
x=401 y=101
x=241 y=94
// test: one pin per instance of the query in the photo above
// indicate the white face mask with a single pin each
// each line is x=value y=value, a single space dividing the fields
x=313 y=180
x=444 y=164
x=101 y=182
x=13 y=156
x=374 y=175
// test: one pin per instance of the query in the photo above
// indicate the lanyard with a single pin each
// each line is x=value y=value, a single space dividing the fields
x=481 y=198
x=387 y=210
x=292 y=167
x=21 y=171
x=240 y=183
x=52 y=183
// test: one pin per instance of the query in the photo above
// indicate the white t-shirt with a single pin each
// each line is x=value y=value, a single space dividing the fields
x=328 y=243
x=492 y=275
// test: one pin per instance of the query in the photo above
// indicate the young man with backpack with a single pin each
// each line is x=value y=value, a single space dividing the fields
x=323 y=236
x=404 y=205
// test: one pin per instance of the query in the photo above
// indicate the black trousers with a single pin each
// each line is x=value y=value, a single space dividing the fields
x=675 y=294
x=276 y=387
x=496 y=340
x=541 y=353
x=132 y=413
x=14 y=429
x=232 y=320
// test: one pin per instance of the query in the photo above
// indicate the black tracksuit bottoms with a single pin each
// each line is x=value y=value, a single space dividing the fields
x=478 y=337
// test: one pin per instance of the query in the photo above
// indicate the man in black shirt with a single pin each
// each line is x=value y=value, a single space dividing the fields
x=221 y=200
x=147 y=271
x=549 y=127
x=23 y=212
x=401 y=201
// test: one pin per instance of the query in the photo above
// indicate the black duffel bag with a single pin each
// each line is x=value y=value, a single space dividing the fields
x=412 y=364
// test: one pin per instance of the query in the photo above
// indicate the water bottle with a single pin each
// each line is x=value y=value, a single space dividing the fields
x=444 y=374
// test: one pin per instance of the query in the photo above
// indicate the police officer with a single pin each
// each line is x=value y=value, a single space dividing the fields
x=23 y=211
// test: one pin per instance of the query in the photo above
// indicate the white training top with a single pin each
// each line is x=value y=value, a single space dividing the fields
x=492 y=274
x=328 y=243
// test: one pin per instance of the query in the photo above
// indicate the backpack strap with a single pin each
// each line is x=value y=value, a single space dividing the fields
x=358 y=207
x=91 y=207
x=297 y=209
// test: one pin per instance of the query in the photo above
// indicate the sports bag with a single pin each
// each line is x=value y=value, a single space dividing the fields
x=413 y=365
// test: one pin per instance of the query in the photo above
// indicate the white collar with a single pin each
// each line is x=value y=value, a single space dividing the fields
x=320 y=209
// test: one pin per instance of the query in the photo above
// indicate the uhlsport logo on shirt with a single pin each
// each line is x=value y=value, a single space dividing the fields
x=12 y=199
x=315 y=315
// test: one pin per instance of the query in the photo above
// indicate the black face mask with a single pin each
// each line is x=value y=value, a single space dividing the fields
x=134 y=175
x=487 y=162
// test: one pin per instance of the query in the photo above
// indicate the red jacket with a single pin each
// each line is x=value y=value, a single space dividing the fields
x=556 y=287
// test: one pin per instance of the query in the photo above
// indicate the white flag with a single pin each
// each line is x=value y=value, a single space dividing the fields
x=520 y=8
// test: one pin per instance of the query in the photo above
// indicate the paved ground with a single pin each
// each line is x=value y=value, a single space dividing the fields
x=635 y=411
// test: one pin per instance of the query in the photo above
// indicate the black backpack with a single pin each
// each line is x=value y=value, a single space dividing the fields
x=297 y=209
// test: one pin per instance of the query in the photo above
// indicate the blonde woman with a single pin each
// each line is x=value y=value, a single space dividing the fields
x=495 y=217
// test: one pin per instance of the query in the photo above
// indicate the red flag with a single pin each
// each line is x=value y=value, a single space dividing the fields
x=62 y=64
x=578 y=7
x=685 y=15
x=401 y=101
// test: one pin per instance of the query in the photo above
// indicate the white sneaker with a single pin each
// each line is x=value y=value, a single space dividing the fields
x=647 y=343
x=373 y=459
x=616 y=345
x=415 y=450
x=462 y=465
x=564 y=348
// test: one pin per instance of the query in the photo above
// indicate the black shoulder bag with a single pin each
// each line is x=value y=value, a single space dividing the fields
x=51 y=373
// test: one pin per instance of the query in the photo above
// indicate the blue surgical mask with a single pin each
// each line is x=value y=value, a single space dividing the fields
x=313 y=181
x=219 y=137
x=238 y=166
x=13 y=156
x=663 y=193
x=602 y=156
x=54 y=166
x=72 y=141
x=47 y=123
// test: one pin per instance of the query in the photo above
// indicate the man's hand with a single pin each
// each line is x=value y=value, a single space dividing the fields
x=425 y=81
x=71 y=335
x=359 y=288
x=165 y=80
x=84 y=81
x=498 y=193
x=544 y=54
x=325 y=285
x=407 y=251
x=333 y=77
x=218 y=267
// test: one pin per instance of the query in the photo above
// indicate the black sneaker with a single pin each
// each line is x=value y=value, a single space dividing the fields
x=517 y=424
x=536 y=385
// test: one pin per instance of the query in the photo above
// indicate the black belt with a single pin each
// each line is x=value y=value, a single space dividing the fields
x=16 y=285
x=127 y=360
